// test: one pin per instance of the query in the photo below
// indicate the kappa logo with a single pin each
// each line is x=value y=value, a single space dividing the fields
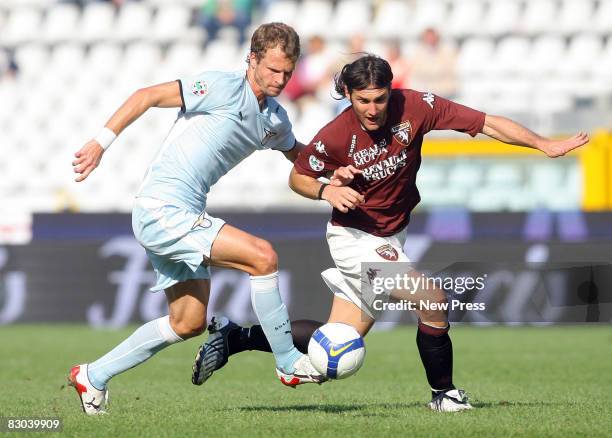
x=387 y=252
x=372 y=274
x=353 y=144
x=316 y=164
x=320 y=147
x=199 y=88
x=202 y=221
x=268 y=135
x=402 y=133
x=429 y=98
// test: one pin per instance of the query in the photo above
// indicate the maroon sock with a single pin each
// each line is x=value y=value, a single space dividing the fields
x=436 y=351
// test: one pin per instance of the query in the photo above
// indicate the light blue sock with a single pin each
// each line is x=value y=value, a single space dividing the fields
x=274 y=320
x=147 y=340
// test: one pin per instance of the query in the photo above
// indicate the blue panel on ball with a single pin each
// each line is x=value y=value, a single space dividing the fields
x=330 y=348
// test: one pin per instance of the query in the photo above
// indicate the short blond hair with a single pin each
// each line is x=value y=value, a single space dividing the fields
x=271 y=35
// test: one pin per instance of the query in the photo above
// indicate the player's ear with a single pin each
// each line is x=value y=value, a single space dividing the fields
x=252 y=60
x=346 y=93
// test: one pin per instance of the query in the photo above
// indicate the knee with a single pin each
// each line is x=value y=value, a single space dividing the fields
x=435 y=312
x=188 y=327
x=266 y=260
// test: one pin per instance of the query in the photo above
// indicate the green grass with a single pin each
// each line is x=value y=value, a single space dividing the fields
x=549 y=381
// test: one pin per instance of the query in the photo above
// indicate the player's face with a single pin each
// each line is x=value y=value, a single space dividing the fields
x=272 y=72
x=370 y=106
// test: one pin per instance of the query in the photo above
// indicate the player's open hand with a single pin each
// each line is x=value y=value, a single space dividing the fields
x=558 y=148
x=343 y=176
x=342 y=198
x=87 y=159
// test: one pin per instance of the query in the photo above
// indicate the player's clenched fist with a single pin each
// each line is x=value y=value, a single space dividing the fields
x=87 y=159
x=342 y=198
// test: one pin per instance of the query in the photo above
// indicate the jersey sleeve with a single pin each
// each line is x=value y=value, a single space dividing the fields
x=316 y=159
x=284 y=141
x=442 y=113
x=201 y=92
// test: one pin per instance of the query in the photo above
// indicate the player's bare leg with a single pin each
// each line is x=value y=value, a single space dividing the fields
x=234 y=248
x=348 y=313
x=187 y=303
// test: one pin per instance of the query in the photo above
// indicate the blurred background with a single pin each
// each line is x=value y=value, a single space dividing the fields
x=65 y=66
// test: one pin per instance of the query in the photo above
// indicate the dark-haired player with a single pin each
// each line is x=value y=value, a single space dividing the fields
x=374 y=150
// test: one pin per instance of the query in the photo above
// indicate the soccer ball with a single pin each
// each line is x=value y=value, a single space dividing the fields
x=336 y=350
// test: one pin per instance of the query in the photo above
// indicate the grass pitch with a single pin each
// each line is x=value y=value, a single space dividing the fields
x=545 y=381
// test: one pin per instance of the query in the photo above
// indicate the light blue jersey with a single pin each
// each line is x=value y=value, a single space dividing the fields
x=220 y=125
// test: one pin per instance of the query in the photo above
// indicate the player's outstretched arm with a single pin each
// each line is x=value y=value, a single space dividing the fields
x=166 y=95
x=508 y=131
x=341 y=198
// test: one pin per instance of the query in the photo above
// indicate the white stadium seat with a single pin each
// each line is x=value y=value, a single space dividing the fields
x=313 y=18
x=60 y=23
x=349 y=16
x=22 y=26
x=474 y=57
x=427 y=13
x=133 y=22
x=462 y=17
x=502 y=17
x=575 y=16
x=140 y=60
x=284 y=11
x=170 y=23
x=221 y=55
x=601 y=19
x=392 y=19
x=547 y=53
x=510 y=56
x=104 y=60
x=67 y=59
x=96 y=22
x=581 y=53
x=32 y=59
x=540 y=17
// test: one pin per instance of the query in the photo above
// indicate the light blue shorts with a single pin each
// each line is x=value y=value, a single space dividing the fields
x=176 y=239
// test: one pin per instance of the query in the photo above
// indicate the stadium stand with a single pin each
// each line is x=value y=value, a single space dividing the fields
x=546 y=63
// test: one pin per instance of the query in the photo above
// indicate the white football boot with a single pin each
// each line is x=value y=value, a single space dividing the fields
x=453 y=400
x=304 y=372
x=92 y=399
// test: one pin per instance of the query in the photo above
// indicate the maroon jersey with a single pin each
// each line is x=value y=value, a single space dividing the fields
x=389 y=157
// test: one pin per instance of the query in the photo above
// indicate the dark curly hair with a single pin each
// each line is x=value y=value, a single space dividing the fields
x=360 y=74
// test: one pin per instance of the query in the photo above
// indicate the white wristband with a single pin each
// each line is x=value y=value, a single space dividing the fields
x=105 y=138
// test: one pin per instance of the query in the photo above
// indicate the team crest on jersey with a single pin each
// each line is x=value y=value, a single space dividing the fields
x=387 y=252
x=199 y=88
x=202 y=221
x=403 y=133
x=316 y=164
x=268 y=135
